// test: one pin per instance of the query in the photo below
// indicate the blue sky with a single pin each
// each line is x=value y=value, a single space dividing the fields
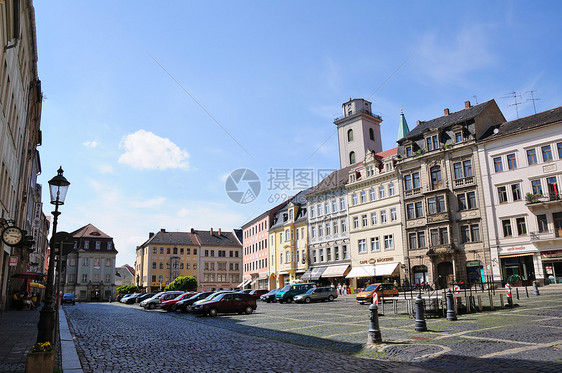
x=149 y=108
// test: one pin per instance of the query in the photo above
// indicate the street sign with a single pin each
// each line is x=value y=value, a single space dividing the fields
x=13 y=261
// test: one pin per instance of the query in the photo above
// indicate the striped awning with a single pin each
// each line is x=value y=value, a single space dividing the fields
x=515 y=255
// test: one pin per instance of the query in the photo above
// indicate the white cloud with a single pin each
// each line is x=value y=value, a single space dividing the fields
x=105 y=168
x=90 y=144
x=149 y=202
x=449 y=58
x=146 y=151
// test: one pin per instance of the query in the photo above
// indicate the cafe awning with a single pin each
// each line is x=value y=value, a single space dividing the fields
x=316 y=273
x=336 y=271
x=243 y=283
x=385 y=269
x=306 y=275
x=36 y=285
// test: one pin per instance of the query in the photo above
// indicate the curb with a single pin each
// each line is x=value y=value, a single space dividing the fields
x=70 y=360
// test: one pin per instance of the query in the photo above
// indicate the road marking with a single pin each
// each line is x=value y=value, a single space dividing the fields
x=468 y=331
x=522 y=349
x=497 y=340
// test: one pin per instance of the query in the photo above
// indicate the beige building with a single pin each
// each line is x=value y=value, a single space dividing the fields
x=443 y=199
x=521 y=164
x=375 y=221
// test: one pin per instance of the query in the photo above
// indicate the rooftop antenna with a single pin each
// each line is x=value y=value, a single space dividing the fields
x=533 y=99
x=475 y=99
x=515 y=102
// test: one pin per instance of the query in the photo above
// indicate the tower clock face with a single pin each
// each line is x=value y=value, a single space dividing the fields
x=12 y=236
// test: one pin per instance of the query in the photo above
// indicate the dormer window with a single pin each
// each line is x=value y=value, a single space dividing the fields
x=291 y=214
x=432 y=143
x=409 y=151
x=458 y=137
x=98 y=245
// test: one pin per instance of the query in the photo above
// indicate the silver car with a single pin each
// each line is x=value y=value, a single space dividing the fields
x=317 y=294
x=156 y=300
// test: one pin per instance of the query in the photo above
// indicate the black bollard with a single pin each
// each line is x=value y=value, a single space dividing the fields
x=535 y=288
x=374 y=330
x=451 y=315
x=420 y=325
x=517 y=293
x=526 y=292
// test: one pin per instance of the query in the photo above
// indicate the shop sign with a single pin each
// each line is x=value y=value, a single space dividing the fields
x=516 y=249
x=377 y=260
x=473 y=264
x=13 y=261
x=548 y=254
x=157 y=284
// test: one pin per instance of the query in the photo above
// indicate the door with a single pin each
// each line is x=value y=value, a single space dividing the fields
x=445 y=271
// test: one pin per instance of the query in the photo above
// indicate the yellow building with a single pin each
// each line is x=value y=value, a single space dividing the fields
x=288 y=239
x=164 y=257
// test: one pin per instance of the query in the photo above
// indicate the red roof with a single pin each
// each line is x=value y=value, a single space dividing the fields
x=387 y=153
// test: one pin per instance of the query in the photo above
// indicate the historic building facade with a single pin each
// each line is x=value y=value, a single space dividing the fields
x=439 y=173
x=375 y=221
x=521 y=177
x=90 y=266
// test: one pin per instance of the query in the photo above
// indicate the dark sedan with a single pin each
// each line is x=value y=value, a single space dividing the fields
x=182 y=305
x=269 y=297
x=227 y=303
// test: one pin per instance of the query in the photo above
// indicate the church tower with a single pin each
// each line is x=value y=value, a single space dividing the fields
x=358 y=131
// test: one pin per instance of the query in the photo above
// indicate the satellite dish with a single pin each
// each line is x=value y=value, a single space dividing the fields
x=496 y=131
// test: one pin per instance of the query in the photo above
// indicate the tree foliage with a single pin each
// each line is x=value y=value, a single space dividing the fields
x=127 y=289
x=185 y=283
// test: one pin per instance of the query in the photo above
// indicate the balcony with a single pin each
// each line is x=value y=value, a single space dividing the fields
x=412 y=192
x=543 y=201
x=443 y=249
x=439 y=217
x=546 y=237
x=465 y=181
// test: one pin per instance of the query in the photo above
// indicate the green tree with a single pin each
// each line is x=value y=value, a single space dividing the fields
x=127 y=289
x=185 y=283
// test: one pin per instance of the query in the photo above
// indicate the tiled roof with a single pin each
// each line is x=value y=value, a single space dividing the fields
x=173 y=238
x=523 y=124
x=387 y=153
x=225 y=239
x=89 y=231
x=335 y=180
x=447 y=120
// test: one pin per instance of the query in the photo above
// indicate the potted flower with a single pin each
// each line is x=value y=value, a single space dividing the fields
x=41 y=358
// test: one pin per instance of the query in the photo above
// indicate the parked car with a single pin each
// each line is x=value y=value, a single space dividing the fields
x=142 y=303
x=119 y=296
x=144 y=296
x=211 y=297
x=183 y=305
x=382 y=290
x=317 y=294
x=68 y=298
x=127 y=296
x=245 y=291
x=132 y=298
x=269 y=297
x=288 y=292
x=155 y=301
x=168 y=304
x=256 y=294
x=227 y=302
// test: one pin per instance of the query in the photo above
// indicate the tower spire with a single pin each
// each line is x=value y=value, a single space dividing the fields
x=403 y=129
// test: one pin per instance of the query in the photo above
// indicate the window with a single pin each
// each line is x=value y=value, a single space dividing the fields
x=108 y=262
x=362 y=246
x=458 y=137
x=511 y=161
x=390 y=189
x=86 y=245
x=182 y=251
x=364 y=220
x=344 y=225
x=542 y=223
x=432 y=143
x=532 y=157
x=457 y=169
x=471 y=198
x=107 y=278
x=435 y=172
x=393 y=216
x=291 y=214
x=363 y=197
x=409 y=151
x=421 y=239
x=288 y=256
x=352 y=158
x=407 y=182
x=335 y=227
x=321 y=253
x=383 y=216
x=345 y=253
x=416 y=180
x=327 y=229
x=506 y=224
x=498 y=166
x=355 y=222
x=381 y=192
x=439 y=236
x=521 y=226
x=410 y=211
x=354 y=199
x=552 y=186
x=371 y=134
x=537 y=188
x=319 y=208
x=326 y=208
x=72 y=262
x=375 y=245
x=154 y=250
x=419 y=209
x=372 y=194
x=467 y=168
x=436 y=204
x=85 y=262
x=162 y=250
x=546 y=153
x=334 y=205
x=175 y=251
x=516 y=192
x=84 y=277
x=350 y=135
x=559 y=146
x=98 y=245
x=167 y=250
x=320 y=231
x=470 y=233
x=502 y=194
x=413 y=240
x=153 y=265
x=312 y=211
x=465 y=233
x=161 y=265
x=388 y=242
x=342 y=204
x=374 y=218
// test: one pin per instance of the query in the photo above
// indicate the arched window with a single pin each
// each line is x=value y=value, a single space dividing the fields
x=371 y=134
x=435 y=176
x=350 y=135
x=352 y=158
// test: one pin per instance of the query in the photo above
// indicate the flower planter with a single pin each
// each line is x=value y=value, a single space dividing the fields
x=40 y=362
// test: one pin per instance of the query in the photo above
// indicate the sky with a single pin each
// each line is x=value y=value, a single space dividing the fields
x=149 y=107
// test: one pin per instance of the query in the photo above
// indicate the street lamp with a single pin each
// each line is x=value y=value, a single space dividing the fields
x=58 y=186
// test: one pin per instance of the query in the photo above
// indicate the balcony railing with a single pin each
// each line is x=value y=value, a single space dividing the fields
x=464 y=181
x=412 y=192
x=545 y=235
x=441 y=216
x=532 y=199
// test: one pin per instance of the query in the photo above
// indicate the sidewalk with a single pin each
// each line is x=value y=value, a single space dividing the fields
x=18 y=333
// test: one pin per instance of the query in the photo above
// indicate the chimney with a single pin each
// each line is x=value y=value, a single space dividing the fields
x=418 y=122
x=162 y=230
x=150 y=234
x=219 y=232
x=446 y=111
x=211 y=231
x=192 y=231
x=466 y=104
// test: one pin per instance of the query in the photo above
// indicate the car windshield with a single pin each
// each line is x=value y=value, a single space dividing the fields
x=286 y=288
x=310 y=291
x=371 y=287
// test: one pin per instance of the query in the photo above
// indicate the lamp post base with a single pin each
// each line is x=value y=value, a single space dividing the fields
x=46 y=325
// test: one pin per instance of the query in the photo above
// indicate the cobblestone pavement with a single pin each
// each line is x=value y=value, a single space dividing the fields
x=326 y=337
x=18 y=332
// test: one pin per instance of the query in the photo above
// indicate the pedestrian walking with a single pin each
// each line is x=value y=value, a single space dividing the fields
x=339 y=289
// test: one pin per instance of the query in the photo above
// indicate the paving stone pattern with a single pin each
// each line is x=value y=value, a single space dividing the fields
x=327 y=337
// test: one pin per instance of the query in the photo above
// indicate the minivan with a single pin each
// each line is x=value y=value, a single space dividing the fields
x=287 y=293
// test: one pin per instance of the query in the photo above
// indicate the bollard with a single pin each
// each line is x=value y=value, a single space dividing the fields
x=526 y=292
x=451 y=315
x=535 y=289
x=395 y=305
x=374 y=330
x=420 y=325
x=517 y=293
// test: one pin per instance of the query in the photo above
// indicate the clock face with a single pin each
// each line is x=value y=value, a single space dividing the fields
x=12 y=236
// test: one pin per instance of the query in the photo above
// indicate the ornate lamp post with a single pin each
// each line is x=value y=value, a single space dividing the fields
x=58 y=186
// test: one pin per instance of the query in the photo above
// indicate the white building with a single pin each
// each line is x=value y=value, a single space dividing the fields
x=521 y=164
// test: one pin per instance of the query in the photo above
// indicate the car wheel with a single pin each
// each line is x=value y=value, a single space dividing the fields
x=173 y=308
x=307 y=300
x=331 y=298
x=212 y=312
x=249 y=310
x=151 y=306
x=289 y=300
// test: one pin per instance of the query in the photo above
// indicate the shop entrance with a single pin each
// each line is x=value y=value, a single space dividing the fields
x=518 y=270
x=475 y=272
x=445 y=271
x=420 y=274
